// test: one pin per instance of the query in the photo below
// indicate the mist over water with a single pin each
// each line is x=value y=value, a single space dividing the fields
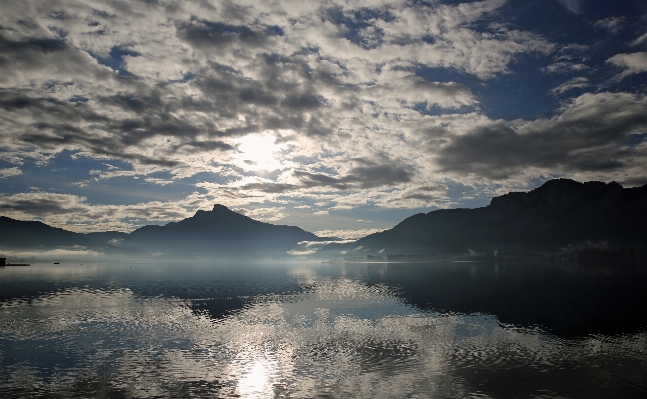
x=302 y=330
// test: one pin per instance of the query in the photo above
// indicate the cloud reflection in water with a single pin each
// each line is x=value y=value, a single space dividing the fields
x=339 y=337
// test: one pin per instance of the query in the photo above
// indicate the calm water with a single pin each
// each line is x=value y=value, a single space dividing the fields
x=457 y=330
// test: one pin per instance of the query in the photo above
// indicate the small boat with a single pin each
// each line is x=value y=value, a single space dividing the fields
x=56 y=263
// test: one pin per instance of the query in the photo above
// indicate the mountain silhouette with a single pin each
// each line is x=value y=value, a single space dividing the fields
x=34 y=235
x=207 y=233
x=220 y=231
x=559 y=214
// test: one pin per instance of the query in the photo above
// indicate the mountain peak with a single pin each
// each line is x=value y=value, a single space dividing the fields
x=215 y=211
x=220 y=208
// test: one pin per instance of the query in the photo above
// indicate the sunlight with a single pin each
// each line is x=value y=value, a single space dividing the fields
x=256 y=382
x=258 y=152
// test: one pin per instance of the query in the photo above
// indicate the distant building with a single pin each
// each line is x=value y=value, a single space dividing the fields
x=2 y=261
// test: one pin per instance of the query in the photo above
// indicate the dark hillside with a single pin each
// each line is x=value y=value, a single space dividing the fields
x=559 y=214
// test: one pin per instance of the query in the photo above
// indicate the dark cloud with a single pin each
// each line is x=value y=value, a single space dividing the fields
x=303 y=101
x=588 y=137
x=271 y=188
x=40 y=206
x=359 y=177
x=20 y=47
x=181 y=83
x=58 y=124
x=53 y=59
x=257 y=97
x=207 y=34
x=425 y=194
x=68 y=136
x=199 y=146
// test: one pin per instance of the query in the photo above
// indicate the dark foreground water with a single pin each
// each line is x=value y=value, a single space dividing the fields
x=258 y=330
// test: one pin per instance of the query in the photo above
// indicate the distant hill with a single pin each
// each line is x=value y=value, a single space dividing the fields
x=108 y=237
x=559 y=214
x=219 y=232
x=33 y=235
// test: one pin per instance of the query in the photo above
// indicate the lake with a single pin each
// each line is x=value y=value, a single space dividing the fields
x=324 y=330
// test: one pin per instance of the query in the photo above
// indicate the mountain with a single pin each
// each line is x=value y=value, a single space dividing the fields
x=33 y=235
x=220 y=232
x=559 y=214
x=107 y=237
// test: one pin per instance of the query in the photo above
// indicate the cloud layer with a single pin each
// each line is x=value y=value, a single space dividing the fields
x=323 y=106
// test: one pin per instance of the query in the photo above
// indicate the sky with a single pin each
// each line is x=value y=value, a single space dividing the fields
x=340 y=117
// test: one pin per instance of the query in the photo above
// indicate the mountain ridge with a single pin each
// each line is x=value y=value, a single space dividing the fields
x=554 y=216
x=220 y=231
x=561 y=213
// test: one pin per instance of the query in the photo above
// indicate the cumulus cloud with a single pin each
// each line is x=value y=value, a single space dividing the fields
x=75 y=213
x=7 y=172
x=574 y=6
x=575 y=83
x=262 y=214
x=592 y=131
x=102 y=80
x=565 y=68
x=335 y=102
x=611 y=24
x=631 y=63
x=348 y=234
x=640 y=40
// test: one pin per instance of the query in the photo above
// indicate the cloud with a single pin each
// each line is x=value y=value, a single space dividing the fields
x=416 y=197
x=642 y=39
x=631 y=63
x=74 y=213
x=575 y=83
x=574 y=6
x=347 y=104
x=588 y=136
x=347 y=234
x=367 y=174
x=8 y=172
x=565 y=68
x=611 y=24
x=262 y=214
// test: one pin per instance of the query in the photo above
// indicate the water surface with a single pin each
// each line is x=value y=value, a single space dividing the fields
x=303 y=330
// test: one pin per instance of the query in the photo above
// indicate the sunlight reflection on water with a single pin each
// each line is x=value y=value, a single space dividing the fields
x=339 y=336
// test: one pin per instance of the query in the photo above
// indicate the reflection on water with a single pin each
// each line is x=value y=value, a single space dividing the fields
x=302 y=331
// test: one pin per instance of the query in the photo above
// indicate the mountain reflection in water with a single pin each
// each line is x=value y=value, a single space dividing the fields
x=324 y=330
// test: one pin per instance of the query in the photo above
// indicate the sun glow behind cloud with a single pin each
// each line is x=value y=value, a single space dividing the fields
x=259 y=152
x=333 y=105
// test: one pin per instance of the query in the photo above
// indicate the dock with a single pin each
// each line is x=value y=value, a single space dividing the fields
x=3 y=262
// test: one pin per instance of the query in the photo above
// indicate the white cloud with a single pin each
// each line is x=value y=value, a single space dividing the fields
x=347 y=234
x=575 y=83
x=74 y=213
x=642 y=39
x=7 y=172
x=280 y=100
x=611 y=24
x=565 y=68
x=262 y=214
x=574 y=6
x=632 y=63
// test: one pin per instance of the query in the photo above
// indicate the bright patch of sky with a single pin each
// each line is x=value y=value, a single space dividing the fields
x=334 y=116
